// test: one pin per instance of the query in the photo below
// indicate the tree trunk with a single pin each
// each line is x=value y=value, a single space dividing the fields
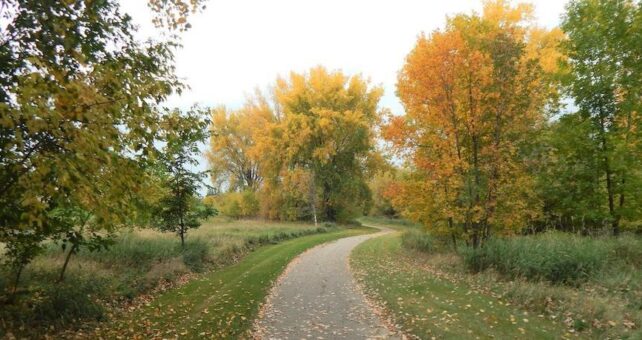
x=609 y=189
x=182 y=234
x=475 y=236
x=313 y=196
x=17 y=280
x=64 y=266
x=615 y=220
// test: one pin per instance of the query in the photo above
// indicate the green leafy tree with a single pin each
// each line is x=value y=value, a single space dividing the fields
x=569 y=180
x=180 y=209
x=605 y=80
x=79 y=113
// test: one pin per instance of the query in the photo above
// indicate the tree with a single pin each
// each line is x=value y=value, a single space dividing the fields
x=568 y=178
x=380 y=185
x=79 y=113
x=475 y=93
x=310 y=148
x=326 y=128
x=180 y=209
x=233 y=137
x=77 y=230
x=605 y=80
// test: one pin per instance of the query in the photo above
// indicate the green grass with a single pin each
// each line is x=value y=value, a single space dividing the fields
x=601 y=297
x=140 y=262
x=425 y=303
x=392 y=223
x=222 y=304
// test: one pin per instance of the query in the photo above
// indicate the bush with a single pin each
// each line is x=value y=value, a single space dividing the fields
x=329 y=225
x=237 y=204
x=554 y=257
x=417 y=240
x=249 y=204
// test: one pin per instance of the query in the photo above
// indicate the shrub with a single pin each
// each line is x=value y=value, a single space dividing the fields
x=555 y=257
x=249 y=204
x=417 y=240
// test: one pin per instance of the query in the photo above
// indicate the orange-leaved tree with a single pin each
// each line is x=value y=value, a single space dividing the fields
x=474 y=94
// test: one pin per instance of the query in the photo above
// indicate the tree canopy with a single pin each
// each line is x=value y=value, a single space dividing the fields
x=474 y=94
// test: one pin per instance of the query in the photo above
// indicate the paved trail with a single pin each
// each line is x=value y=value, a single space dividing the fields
x=317 y=299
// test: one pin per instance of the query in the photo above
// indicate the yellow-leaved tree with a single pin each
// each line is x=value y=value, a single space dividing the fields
x=326 y=128
x=308 y=153
x=233 y=157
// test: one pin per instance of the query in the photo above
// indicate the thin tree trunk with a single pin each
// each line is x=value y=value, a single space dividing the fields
x=452 y=233
x=17 y=280
x=615 y=220
x=64 y=266
x=313 y=196
x=609 y=190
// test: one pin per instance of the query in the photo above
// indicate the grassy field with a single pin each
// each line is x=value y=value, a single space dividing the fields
x=141 y=264
x=428 y=305
x=222 y=304
x=567 y=285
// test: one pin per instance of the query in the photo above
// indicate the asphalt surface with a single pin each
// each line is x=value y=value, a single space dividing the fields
x=317 y=298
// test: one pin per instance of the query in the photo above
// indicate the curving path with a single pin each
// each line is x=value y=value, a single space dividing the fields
x=317 y=298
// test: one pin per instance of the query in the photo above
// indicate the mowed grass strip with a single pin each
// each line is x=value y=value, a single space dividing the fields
x=140 y=264
x=222 y=304
x=427 y=306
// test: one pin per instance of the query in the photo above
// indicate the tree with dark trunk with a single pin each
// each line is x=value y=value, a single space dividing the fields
x=180 y=209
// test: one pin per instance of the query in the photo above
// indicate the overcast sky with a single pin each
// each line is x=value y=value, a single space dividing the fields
x=235 y=46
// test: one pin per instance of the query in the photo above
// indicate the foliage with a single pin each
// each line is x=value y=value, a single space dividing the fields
x=381 y=203
x=289 y=197
x=568 y=178
x=475 y=94
x=180 y=209
x=79 y=108
x=311 y=148
x=237 y=204
x=604 y=51
x=327 y=129
x=233 y=138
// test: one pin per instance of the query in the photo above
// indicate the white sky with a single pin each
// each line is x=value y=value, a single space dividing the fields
x=235 y=46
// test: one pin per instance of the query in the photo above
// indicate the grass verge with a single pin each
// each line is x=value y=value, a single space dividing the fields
x=141 y=264
x=426 y=304
x=221 y=304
